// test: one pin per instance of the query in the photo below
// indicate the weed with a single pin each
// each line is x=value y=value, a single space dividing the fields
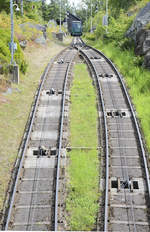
x=83 y=171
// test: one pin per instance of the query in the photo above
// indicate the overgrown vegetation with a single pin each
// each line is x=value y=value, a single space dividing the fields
x=82 y=201
x=5 y=54
x=32 y=16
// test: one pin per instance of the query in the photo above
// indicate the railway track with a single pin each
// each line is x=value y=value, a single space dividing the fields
x=126 y=180
x=35 y=197
x=33 y=202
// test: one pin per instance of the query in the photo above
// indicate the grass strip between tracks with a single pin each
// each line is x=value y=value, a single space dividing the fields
x=83 y=170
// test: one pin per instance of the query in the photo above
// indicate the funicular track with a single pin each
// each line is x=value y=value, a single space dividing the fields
x=33 y=202
x=126 y=180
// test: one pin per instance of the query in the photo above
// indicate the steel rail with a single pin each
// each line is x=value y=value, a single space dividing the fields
x=34 y=188
x=106 y=140
x=126 y=173
x=134 y=117
x=60 y=145
x=25 y=143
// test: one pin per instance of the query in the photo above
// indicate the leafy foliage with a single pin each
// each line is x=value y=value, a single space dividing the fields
x=52 y=10
x=5 y=54
x=5 y=5
x=116 y=29
x=30 y=8
x=118 y=5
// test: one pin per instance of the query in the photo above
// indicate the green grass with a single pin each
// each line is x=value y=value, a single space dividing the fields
x=137 y=80
x=13 y=116
x=83 y=171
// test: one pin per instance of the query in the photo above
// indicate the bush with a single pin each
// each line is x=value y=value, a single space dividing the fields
x=90 y=36
x=5 y=54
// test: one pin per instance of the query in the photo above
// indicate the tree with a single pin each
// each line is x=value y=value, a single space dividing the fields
x=5 y=5
x=52 y=10
x=117 y=5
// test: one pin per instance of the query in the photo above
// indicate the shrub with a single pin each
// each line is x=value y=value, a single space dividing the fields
x=5 y=55
x=90 y=36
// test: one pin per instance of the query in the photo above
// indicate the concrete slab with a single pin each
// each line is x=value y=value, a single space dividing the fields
x=119 y=103
x=46 y=143
x=125 y=214
x=123 y=161
x=48 y=111
x=29 y=216
x=50 y=126
x=126 y=228
x=25 y=199
x=38 y=185
x=116 y=92
x=122 y=134
x=48 y=120
x=122 y=125
x=42 y=135
x=123 y=142
x=116 y=89
x=118 y=151
x=42 y=172
x=113 y=86
x=45 y=226
x=121 y=198
x=46 y=97
x=41 y=162
x=135 y=172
